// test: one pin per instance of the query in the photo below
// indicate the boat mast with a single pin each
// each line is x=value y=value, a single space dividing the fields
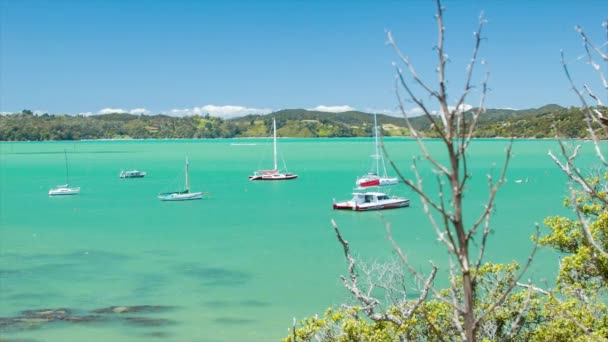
x=377 y=155
x=274 y=126
x=67 y=175
x=187 y=177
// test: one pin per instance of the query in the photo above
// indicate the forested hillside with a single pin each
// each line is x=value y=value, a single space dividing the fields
x=529 y=123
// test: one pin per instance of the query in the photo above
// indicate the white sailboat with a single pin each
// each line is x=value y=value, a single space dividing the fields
x=64 y=189
x=184 y=195
x=274 y=174
x=374 y=178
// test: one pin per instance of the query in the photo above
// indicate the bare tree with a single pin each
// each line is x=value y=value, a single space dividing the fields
x=588 y=194
x=455 y=128
x=594 y=118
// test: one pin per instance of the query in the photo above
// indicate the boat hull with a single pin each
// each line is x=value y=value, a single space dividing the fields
x=369 y=182
x=181 y=197
x=132 y=174
x=273 y=177
x=64 y=191
x=392 y=204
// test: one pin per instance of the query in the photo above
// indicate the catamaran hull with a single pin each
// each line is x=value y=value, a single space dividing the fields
x=181 y=197
x=350 y=205
x=274 y=174
x=364 y=183
x=273 y=177
x=64 y=191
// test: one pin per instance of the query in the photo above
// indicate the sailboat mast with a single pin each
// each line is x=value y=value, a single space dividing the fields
x=187 y=177
x=274 y=127
x=67 y=174
x=377 y=155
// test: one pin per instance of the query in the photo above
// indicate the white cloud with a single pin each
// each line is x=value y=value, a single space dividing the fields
x=139 y=111
x=86 y=113
x=333 y=109
x=218 y=111
x=463 y=107
x=111 y=110
x=417 y=111
x=35 y=112
x=412 y=112
x=396 y=112
x=135 y=111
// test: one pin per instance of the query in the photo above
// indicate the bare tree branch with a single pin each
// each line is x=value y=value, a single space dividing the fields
x=493 y=191
x=581 y=326
x=534 y=288
x=403 y=258
x=370 y=302
x=590 y=46
x=470 y=68
x=515 y=325
x=585 y=224
x=505 y=293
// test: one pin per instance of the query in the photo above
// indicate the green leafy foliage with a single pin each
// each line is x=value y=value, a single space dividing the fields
x=583 y=268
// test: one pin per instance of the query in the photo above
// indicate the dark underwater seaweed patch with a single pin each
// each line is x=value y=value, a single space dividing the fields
x=242 y=303
x=233 y=321
x=215 y=276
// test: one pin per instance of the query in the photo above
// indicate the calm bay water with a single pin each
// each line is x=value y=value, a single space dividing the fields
x=240 y=264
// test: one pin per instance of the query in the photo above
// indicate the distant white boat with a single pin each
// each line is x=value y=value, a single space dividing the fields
x=374 y=178
x=274 y=174
x=64 y=189
x=372 y=200
x=132 y=174
x=183 y=195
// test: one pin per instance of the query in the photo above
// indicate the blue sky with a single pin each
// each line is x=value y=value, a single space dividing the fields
x=231 y=57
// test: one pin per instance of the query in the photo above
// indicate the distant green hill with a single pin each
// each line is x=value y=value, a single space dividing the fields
x=528 y=123
x=306 y=123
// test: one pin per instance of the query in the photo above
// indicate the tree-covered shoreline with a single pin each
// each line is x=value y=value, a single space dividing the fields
x=542 y=122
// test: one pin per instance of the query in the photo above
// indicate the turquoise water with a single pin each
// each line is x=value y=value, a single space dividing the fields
x=241 y=263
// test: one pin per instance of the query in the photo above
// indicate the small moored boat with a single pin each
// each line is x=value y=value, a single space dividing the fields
x=274 y=174
x=64 y=189
x=132 y=174
x=371 y=200
x=184 y=195
x=374 y=178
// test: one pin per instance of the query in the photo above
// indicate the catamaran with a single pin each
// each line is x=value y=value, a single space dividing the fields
x=373 y=178
x=183 y=195
x=372 y=200
x=274 y=174
x=64 y=189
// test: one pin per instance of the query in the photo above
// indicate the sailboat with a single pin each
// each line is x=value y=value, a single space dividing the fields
x=274 y=174
x=65 y=188
x=373 y=178
x=184 y=195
